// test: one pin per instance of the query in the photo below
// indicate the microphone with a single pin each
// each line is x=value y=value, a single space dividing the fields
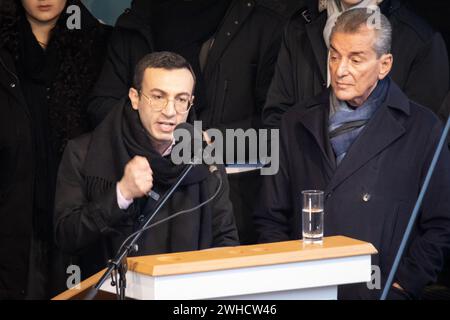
x=197 y=146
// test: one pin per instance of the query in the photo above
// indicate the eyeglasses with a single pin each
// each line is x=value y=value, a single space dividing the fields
x=158 y=102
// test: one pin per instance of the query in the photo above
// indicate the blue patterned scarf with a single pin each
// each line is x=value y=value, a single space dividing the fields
x=346 y=123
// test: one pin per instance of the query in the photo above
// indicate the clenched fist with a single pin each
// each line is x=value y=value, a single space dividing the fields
x=137 y=179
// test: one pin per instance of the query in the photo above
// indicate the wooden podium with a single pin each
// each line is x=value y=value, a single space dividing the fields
x=283 y=270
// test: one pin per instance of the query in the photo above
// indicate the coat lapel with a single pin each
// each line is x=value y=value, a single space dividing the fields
x=315 y=119
x=383 y=130
x=314 y=30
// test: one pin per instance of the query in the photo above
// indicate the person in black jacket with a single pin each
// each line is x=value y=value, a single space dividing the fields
x=46 y=71
x=436 y=13
x=421 y=67
x=105 y=177
x=363 y=144
x=232 y=46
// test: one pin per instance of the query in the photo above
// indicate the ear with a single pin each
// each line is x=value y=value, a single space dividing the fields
x=386 y=62
x=133 y=94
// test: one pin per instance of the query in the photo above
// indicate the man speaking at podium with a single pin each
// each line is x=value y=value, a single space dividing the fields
x=369 y=148
x=105 y=177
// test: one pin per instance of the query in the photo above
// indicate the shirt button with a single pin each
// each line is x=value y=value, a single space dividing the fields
x=249 y=4
x=228 y=34
x=141 y=218
x=366 y=197
x=12 y=85
x=236 y=22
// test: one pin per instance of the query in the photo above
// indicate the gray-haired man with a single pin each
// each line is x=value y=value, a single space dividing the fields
x=368 y=147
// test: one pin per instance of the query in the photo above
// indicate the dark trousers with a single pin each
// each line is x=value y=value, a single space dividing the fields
x=244 y=194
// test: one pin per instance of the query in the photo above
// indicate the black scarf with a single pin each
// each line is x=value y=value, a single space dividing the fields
x=119 y=138
x=116 y=140
x=37 y=69
x=138 y=143
x=36 y=63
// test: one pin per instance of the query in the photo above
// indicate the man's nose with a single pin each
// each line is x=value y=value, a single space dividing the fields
x=342 y=68
x=169 y=110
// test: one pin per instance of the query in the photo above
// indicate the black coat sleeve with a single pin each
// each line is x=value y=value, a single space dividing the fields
x=426 y=253
x=115 y=78
x=265 y=67
x=281 y=94
x=444 y=111
x=428 y=79
x=265 y=72
x=223 y=223
x=79 y=221
x=272 y=213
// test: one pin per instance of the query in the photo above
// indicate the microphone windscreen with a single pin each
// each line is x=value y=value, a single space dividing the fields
x=192 y=130
x=197 y=145
x=195 y=136
x=185 y=125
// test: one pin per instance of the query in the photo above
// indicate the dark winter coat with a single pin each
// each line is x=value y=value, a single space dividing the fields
x=371 y=194
x=18 y=160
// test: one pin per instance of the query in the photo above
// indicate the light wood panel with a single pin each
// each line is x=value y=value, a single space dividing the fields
x=248 y=256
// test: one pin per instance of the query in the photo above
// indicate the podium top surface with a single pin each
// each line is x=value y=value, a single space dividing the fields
x=248 y=256
x=232 y=258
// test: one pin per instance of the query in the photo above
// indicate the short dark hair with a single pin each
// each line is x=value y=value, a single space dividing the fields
x=164 y=60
